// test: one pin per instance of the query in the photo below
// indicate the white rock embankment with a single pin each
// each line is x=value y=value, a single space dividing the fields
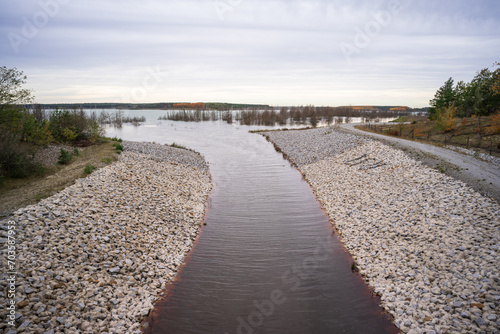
x=94 y=257
x=426 y=243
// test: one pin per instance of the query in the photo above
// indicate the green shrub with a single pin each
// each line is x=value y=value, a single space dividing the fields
x=16 y=158
x=64 y=157
x=74 y=125
x=178 y=146
x=446 y=119
x=118 y=147
x=76 y=152
x=89 y=169
x=18 y=165
x=69 y=135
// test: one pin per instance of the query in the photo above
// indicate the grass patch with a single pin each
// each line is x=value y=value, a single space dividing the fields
x=400 y=119
x=118 y=148
x=109 y=159
x=89 y=169
x=178 y=146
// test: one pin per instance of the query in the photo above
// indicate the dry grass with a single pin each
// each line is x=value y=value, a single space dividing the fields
x=17 y=193
x=464 y=133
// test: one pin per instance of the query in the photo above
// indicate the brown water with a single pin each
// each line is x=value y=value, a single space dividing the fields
x=267 y=261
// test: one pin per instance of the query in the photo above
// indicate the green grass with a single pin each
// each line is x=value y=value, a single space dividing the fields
x=118 y=147
x=109 y=159
x=178 y=146
x=400 y=119
x=89 y=169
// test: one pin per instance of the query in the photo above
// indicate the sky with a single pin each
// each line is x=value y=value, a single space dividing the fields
x=276 y=52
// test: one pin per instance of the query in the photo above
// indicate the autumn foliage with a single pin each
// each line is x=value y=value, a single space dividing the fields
x=495 y=124
x=446 y=119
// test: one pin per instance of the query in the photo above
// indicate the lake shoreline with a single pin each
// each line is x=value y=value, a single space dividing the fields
x=424 y=242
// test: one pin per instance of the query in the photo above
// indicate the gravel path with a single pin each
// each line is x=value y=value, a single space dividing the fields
x=481 y=175
x=94 y=257
x=426 y=243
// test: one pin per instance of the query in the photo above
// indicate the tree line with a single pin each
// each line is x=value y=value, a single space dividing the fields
x=479 y=97
x=23 y=129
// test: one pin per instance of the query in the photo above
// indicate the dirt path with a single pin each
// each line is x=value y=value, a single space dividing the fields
x=482 y=176
x=20 y=193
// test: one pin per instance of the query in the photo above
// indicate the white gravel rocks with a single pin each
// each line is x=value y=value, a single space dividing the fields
x=426 y=243
x=95 y=257
x=297 y=143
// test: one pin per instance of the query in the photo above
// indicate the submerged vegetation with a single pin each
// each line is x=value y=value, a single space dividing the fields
x=269 y=116
x=116 y=119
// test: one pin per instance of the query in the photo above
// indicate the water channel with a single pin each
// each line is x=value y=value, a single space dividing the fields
x=267 y=261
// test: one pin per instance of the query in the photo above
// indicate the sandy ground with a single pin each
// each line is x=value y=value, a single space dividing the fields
x=482 y=176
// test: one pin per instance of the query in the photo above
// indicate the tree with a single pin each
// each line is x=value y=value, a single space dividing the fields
x=487 y=100
x=14 y=122
x=496 y=80
x=445 y=120
x=11 y=91
x=12 y=96
x=465 y=99
x=444 y=98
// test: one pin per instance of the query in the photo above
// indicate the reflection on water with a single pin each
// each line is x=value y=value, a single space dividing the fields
x=267 y=261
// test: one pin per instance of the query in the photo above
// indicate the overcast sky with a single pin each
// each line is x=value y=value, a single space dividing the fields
x=278 y=52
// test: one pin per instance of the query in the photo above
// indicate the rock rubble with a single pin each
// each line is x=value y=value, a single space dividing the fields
x=426 y=243
x=96 y=256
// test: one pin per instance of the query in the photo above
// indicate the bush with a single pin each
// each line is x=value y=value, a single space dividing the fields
x=64 y=157
x=89 y=169
x=446 y=120
x=15 y=160
x=118 y=147
x=74 y=125
x=17 y=165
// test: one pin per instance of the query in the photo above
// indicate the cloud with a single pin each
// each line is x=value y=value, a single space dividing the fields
x=275 y=51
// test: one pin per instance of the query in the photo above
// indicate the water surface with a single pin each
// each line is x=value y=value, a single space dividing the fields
x=267 y=261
